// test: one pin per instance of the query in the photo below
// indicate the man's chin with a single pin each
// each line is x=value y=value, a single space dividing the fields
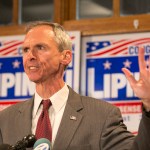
x=34 y=80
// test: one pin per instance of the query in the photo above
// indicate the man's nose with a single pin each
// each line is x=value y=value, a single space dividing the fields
x=32 y=54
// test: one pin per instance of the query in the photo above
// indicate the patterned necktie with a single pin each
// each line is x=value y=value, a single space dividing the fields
x=44 y=129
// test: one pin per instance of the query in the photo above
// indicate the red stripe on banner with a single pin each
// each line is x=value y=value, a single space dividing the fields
x=119 y=51
x=3 y=49
x=116 y=47
x=137 y=44
x=142 y=42
x=8 y=102
x=116 y=42
x=9 y=42
x=9 y=51
x=129 y=108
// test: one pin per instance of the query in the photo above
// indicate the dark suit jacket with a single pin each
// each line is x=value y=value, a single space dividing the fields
x=98 y=125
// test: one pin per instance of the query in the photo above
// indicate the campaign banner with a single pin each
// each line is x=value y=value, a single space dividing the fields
x=103 y=57
x=14 y=83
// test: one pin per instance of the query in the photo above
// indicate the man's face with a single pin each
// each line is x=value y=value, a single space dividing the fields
x=41 y=57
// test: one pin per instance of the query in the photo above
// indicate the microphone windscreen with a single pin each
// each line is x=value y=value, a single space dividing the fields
x=29 y=140
x=4 y=147
x=42 y=142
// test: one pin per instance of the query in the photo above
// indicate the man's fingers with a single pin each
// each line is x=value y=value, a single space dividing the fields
x=141 y=59
x=126 y=72
x=129 y=77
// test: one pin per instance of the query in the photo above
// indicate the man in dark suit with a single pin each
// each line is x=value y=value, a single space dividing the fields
x=78 y=122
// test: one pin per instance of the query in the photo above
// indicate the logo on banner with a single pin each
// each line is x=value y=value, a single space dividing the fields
x=104 y=61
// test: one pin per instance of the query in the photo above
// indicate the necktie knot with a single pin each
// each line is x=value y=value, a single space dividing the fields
x=46 y=104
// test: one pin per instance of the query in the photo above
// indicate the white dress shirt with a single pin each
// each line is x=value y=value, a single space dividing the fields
x=56 y=111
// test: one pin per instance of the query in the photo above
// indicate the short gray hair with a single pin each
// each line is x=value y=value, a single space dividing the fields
x=61 y=37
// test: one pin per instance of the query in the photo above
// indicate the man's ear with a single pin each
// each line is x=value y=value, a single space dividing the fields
x=66 y=57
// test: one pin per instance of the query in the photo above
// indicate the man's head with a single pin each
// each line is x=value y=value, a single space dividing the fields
x=61 y=37
x=46 y=51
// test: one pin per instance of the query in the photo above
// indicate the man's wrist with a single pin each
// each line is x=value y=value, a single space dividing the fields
x=146 y=111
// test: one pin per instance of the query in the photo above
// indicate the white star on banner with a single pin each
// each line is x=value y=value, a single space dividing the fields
x=96 y=43
x=1 y=65
x=16 y=64
x=105 y=44
x=107 y=65
x=93 y=48
x=127 y=63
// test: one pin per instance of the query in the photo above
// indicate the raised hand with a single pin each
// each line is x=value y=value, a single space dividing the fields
x=141 y=87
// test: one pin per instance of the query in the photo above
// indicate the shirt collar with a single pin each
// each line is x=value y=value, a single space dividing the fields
x=58 y=100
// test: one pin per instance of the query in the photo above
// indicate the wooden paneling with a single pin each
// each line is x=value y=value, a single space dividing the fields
x=65 y=14
x=64 y=10
x=58 y=11
x=72 y=10
x=116 y=8
x=15 y=11
x=109 y=25
x=12 y=30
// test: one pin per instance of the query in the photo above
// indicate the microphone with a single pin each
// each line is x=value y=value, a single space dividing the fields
x=4 y=147
x=27 y=142
x=42 y=144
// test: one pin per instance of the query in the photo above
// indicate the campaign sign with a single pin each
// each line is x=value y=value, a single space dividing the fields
x=11 y=72
x=103 y=59
x=14 y=83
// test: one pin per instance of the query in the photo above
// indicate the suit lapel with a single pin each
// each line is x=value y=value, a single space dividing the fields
x=70 y=121
x=25 y=118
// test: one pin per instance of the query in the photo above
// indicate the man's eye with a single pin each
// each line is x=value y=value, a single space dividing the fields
x=40 y=47
x=25 y=50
